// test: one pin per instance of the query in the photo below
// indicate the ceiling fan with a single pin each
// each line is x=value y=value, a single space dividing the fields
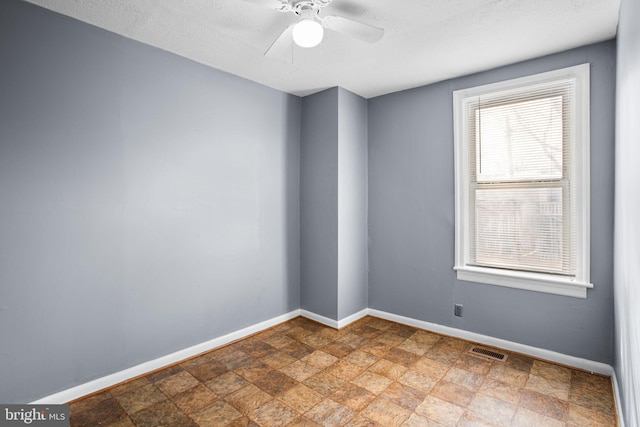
x=309 y=30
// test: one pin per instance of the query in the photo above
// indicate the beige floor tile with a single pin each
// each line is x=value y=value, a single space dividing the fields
x=252 y=370
x=298 y=333
x=345 y=370
x=426 y=337
x=233 y=359
x=204 y=368
x=415 y=347
x=545 y=405
x=386 y=413
x=177 y=383
x=174 y=369
x=361 y=421
x=254 y=347
x=376 y=348
x=100 y=408
x=388 y=369
x=163 y=413
x=275 y=383
x=418 y=421
x=440 y=411
x=124 y=422
x=338 y=349
x=519 y=362
x=592 y=391
x=303 y=422
x=378 y=323
x=330 y=413
x=464 y=378
x=240 y=422
x=403 y=395
x=299 y=370
x=401 y=357
x=390 y=339
x=273 y=414
x=417 y=380
x=559 y=390
x=220 y=413
x=353 y=397
x=278 y=359
x=362 y=358
x=432 y=368
x=301 y=398
x=279 y=341
x=373 y=382
x=248 y=399
x=298 y=350
x=506 y=374
x=319 y=359
x=316 y=341
x=226 y=383
x=496 y=410
x=325 y=383
x=473 y=364
x=551 y=372
x=453 y=393
x=580 y=416
x=352 y=340
x=443 y=352
x=527 y=418
x=471 y=419
x=195 y=399
x=129 y=386
x=499 y=390
x=140 y=398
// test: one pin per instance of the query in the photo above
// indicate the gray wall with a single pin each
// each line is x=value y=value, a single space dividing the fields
x=333 y=204
x=411 y=219
x=627 y=231
x=352 y=204
x=319 y=204
x=143 y=199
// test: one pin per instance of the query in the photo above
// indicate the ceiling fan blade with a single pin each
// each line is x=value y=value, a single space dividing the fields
x=282 y=45
x=365 y=32
x=271 y=4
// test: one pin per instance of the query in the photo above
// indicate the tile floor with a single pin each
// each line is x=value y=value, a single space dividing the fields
x=370 y=373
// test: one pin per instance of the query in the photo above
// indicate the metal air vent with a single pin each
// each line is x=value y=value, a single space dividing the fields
x=489 y=353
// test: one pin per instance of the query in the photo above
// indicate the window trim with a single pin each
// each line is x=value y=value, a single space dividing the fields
x=540 y=282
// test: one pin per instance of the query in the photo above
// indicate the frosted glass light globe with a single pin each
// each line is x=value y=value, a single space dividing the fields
x=307 y=33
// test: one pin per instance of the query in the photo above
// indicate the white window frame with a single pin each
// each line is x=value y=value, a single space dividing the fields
x=574 y=286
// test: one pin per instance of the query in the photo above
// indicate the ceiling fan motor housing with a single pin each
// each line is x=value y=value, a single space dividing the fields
x=303 y=7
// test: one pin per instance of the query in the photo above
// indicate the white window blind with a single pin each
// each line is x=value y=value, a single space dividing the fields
x=522 y=181
x=520 y=178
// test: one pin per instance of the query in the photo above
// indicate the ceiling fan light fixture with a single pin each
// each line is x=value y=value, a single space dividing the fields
x=307 y=33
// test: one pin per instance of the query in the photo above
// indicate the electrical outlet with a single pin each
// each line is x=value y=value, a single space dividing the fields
x=457 y=310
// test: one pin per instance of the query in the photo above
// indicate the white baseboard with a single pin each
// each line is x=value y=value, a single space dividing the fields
x=617 y=397
x=354 y=317
x=336 y=324
x=539 y=353
x=152 y=365
x=320 y=319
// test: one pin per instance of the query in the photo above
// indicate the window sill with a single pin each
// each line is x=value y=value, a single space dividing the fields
x=537 y=282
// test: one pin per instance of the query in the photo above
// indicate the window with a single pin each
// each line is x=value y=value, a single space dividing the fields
x=522 y=182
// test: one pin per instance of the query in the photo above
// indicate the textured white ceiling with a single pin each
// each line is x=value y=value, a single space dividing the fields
x=425 y=40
